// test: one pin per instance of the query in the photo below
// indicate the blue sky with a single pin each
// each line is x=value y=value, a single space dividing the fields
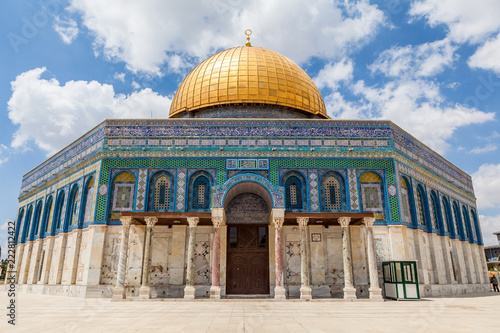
x=431 y=66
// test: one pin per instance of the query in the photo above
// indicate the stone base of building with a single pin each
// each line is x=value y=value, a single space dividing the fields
x=101 y=291
x=279 y=293
x=350 y=294
x=189 y=292
x=305 y=293
x=376 y=294
x=215 y=292
x=145 y=292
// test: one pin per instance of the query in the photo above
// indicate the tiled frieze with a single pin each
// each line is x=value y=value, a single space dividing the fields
x=181 y=189
x=314 y=190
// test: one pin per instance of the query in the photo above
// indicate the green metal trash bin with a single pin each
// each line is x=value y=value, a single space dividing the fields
x=400 y=280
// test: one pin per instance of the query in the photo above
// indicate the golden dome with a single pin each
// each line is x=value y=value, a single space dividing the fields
x=248 y=75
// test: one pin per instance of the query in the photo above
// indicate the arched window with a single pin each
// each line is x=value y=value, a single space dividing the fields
x=405 y=201
x=47 y=211
x=448 y=227
x=435 y=211
x=422 y=219
x=27 y=223
x=458 y=220
x=479 y=239
x=18 y=224
x=89 y=200
x=161 y=198
x=72 y=212
x=200 y=193
x=293 y=192
x=466 y=224
x=332 y=193
x=36 y=221
x=58 y=210
x=372 y=194
x=122 y=195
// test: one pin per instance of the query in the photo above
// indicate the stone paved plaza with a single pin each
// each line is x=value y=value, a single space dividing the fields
x=42 y=313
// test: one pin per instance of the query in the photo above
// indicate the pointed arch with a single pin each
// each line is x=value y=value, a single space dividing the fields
x=422 y=207
x=122 y=195
x=20 y=217
x=405 y=200
x=435 y=211
x=27 y=223
x=458 y=221
x=294 y=185
x=479 y=238
x=58 y=212
x=88 y=200
x=36 y=221
x=47 y=211
x=161 y=191
x=467 y=227
x=372 y=193
x=448 y=217
x=72 y=210
x=332 y=198
x=200 y=191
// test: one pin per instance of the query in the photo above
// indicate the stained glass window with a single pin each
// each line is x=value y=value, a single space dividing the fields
x=201 y=193
x=162 y=193
x=293 y=193
x=332 y=194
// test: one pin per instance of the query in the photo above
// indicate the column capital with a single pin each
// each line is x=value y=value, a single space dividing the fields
x=302 y=221
x=368 y=221
x=126 y=221
x=344 y=221
x=278 y=222
x=151 y=221
x=193 y=221
x=217 y=221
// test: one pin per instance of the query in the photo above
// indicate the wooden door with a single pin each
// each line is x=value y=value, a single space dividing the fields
x=247 y=260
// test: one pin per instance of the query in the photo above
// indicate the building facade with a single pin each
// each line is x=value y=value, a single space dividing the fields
x=247 y=189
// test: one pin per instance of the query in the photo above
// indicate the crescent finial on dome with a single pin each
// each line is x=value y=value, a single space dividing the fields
x=248 y=32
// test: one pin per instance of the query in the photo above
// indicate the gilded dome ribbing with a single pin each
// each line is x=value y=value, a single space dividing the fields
x=248 y=75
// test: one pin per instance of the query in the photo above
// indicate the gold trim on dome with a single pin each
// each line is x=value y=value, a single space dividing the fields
x=248 y=75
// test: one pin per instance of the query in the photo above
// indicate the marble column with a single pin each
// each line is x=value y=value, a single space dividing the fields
x=119 y=291
x=215 y=288
x=375 y=290
x=145 y=291
x=279 y=289
x=305 y=288
x=349 y=290
x=189 y=290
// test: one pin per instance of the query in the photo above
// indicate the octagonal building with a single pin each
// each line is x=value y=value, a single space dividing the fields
x=248 y=188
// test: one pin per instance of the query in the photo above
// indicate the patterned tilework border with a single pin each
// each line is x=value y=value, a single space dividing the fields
x=276 y=164
x=154 y=163
x=314 y=190
x=353 y=189
x=141 y=189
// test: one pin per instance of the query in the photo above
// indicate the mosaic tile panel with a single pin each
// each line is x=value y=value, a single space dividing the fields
x=314 y=190
x=202 y=273
x=141 y=190
x=353 y=189
x=181 y=189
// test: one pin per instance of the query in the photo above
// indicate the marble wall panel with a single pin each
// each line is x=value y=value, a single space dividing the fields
x=68 y=258
x=335 y=264
x=135 y=255
x=111 y=255
x=160 y=255
x=317 y=253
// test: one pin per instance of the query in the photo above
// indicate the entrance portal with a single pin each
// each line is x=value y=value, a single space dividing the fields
x=247 y=260
x=248 y=245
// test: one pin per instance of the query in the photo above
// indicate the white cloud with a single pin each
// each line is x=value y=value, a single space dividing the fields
x=423 y=60
x=489 y=225
x=66 y=28
x=467 y=21
x=119 y=77
x=148 y=34
x=481 y=150
x=486 y=184
x=4 y=150
x=487 y=55
x=135 y=85
x=52 y=115
x=332 y=74
x=415 y=105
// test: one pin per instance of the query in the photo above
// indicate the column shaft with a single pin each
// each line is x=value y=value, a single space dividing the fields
x=305 y=289
x=279 y=290
x=349 y=290
x=119 y=291
x=145 y=291
x=375 y=291
x=189 y=290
